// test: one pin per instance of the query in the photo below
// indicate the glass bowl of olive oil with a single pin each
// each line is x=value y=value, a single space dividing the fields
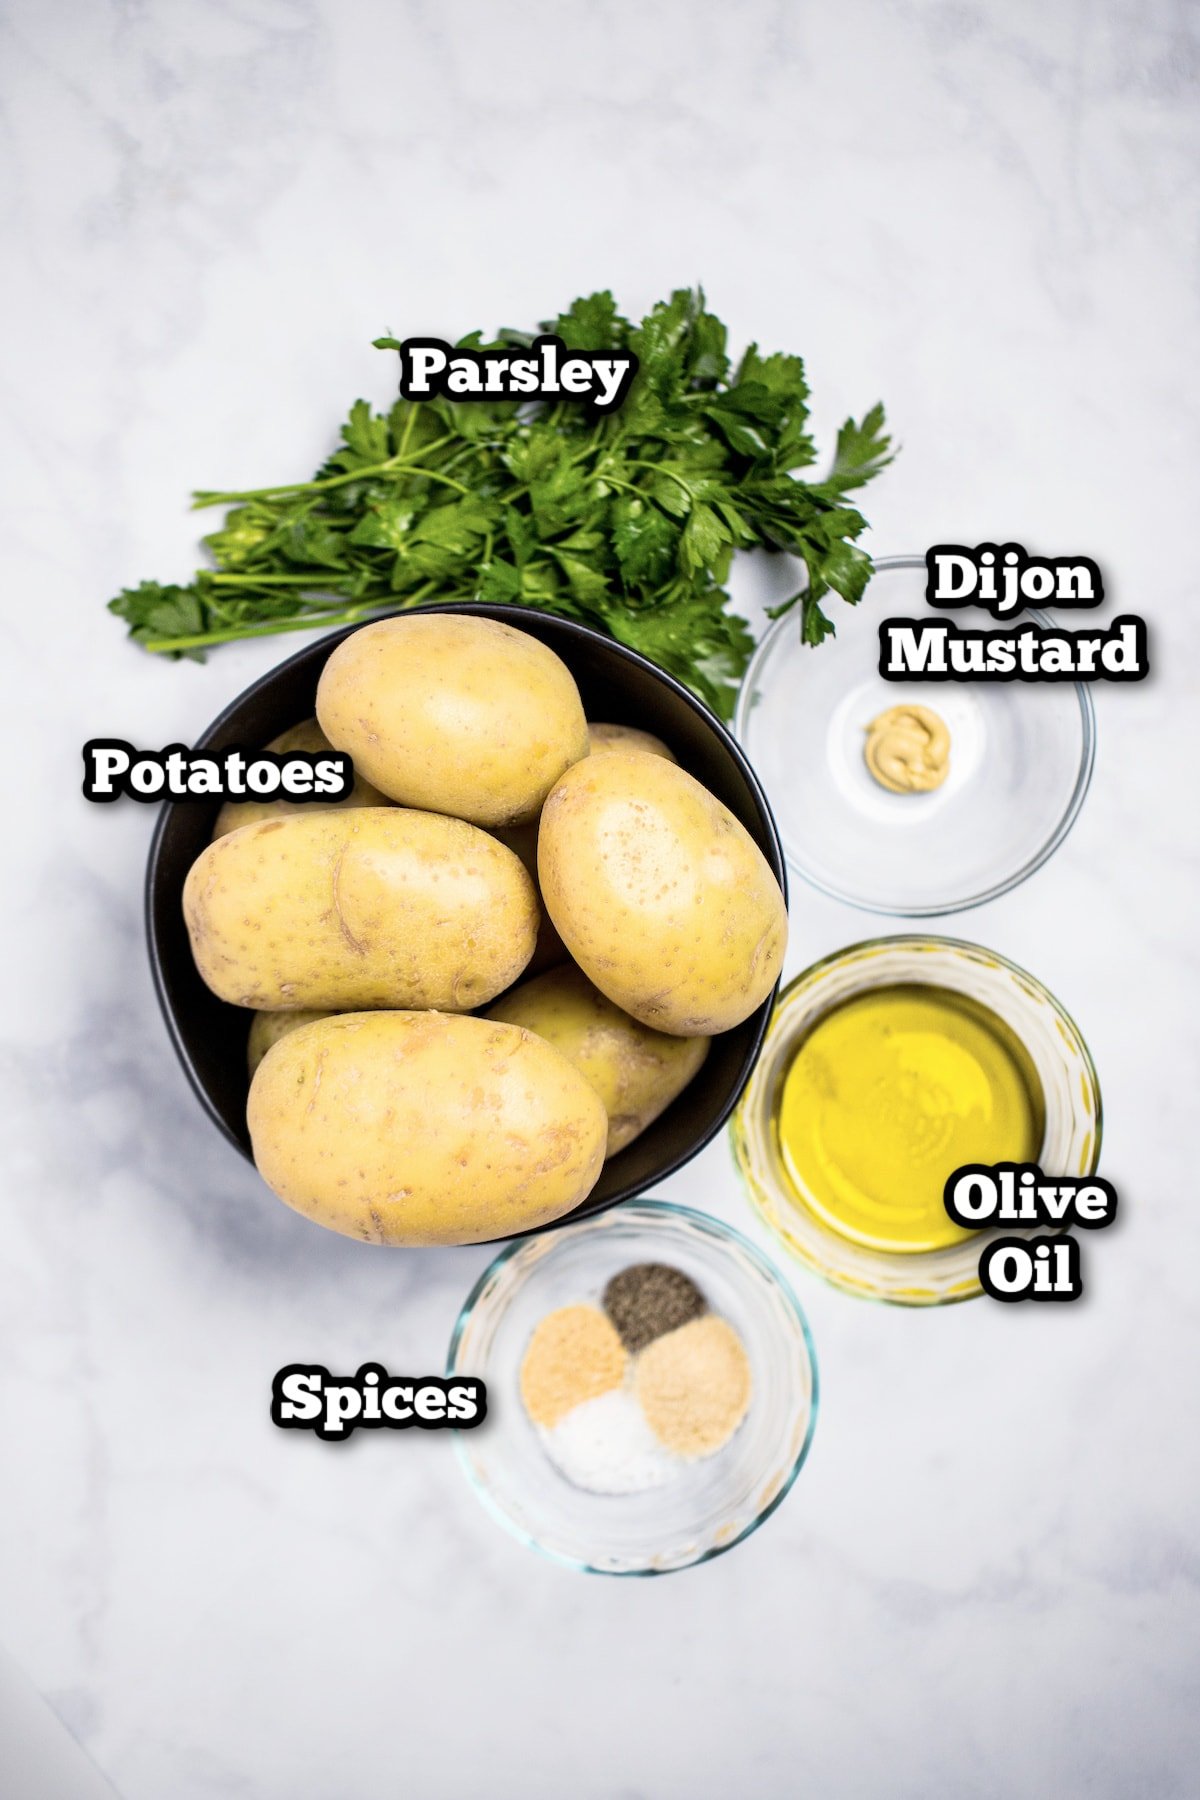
x=885 y=1068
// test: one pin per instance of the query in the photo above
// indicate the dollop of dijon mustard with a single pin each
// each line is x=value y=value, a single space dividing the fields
x=908 y=750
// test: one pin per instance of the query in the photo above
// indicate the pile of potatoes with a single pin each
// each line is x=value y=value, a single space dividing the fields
x=408 y=1086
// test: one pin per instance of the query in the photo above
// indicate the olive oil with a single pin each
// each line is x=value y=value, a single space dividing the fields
x=888 y=1094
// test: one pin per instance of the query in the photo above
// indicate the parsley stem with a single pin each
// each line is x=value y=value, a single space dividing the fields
x=349 y=615
x=637 y=462
x=248 y=578
x=409 y=422
x=207 y=497
x=307 y=622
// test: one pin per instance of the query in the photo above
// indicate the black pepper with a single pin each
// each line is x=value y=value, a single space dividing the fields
x=649 y=1299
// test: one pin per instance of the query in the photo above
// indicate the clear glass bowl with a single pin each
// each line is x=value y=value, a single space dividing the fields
x=712 y=1504
x=1021 y=758
x=1071 y=1090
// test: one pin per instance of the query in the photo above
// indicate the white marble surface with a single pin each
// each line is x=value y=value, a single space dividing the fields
x=985 y=1583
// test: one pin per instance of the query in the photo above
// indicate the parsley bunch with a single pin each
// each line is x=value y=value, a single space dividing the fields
x=627 y=521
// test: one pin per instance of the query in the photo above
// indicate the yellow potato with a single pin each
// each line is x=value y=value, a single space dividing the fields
x=266 y=1028
x=660 y=895
x=454 y=714
x=636 y=1072
x=305 y=736
x=626 y=737
x=549 y=950
x=378 y=906
x=424 y=1128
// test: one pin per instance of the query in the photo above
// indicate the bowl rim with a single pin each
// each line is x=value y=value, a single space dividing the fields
x=707 y=1224
x=741 y=1159
x=772 y=848
x=941 y=908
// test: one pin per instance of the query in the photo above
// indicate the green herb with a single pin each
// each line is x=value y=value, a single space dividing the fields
x=628 y=521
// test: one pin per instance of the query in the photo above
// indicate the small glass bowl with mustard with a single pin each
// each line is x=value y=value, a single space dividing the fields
x=887 y=1067
x=920 y=797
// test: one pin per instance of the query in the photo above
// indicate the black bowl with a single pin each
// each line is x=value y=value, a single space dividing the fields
x=617 y=685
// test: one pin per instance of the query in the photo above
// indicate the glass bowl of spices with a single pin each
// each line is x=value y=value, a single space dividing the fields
x=913 y=797
x=887 y=1067
x=652 y=1389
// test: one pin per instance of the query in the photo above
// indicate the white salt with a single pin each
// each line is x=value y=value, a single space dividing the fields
x=606 y=1446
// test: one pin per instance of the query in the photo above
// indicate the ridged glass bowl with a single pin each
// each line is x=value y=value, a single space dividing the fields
x=711 y=1505
x=1021 y=756
x=1071 y=1090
